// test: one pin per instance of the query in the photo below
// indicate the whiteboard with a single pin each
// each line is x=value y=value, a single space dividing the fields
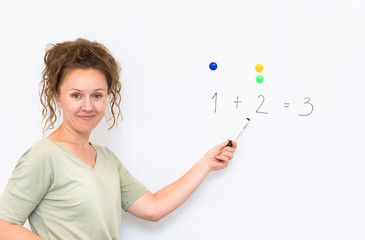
x=292 y=177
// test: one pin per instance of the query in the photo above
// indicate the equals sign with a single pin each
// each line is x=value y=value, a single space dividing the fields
x=286 y=105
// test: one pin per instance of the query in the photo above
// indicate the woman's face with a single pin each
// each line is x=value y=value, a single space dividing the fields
x=82 y=95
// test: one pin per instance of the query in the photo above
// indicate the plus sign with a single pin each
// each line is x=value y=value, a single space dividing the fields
x=237 y=102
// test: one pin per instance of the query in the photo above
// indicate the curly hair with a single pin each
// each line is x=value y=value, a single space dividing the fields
x=79 y=54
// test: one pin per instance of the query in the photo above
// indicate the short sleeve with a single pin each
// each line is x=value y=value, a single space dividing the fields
x=130 y=188
x=27 y=186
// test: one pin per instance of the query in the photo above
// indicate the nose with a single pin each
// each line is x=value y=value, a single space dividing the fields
x=87 y=105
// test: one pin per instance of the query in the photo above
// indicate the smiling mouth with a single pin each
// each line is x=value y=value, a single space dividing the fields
x=87 y=117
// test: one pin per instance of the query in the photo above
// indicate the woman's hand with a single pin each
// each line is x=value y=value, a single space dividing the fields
x=218 y=157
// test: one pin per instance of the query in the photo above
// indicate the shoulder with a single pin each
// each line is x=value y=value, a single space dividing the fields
x=40 y=152
x=44 y=145
x=38 y=162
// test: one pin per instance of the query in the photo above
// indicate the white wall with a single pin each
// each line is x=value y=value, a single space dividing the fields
x=292 y=177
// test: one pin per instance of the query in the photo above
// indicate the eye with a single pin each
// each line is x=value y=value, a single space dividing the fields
x=75 y=95
x=97 y=95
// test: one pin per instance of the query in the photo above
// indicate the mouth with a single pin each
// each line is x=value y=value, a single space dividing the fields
x=87 y=117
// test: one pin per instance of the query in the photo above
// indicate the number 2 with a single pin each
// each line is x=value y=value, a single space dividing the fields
x=263 y=100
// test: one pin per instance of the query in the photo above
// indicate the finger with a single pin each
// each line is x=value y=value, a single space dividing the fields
x=227 y=154
x=223 y=164
x=234 y=144
x=231 y=145
x=228 y=149
x=220 y=164
x=223 y=158
x=224 y=144
x=231 y=149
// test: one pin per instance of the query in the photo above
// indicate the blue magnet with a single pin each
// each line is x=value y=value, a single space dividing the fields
x=213 y=66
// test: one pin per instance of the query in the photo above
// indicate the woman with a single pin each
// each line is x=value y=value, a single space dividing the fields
x=70 y=188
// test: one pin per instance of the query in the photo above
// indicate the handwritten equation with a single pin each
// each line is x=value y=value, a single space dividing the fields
x=260 y=107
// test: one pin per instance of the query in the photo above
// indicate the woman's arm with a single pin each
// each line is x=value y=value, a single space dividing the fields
x=153 y=207
x=10 y=231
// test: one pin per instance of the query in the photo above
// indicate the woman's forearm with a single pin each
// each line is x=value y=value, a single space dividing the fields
x=9 y=231
x=172 y=196
x=153 y=207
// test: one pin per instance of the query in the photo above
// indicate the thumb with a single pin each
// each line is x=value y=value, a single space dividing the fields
x=224 y=144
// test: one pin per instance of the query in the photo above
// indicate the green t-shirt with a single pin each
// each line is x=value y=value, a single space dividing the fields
x=64 y=198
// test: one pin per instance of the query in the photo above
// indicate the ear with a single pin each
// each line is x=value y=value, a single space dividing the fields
x=58 y=99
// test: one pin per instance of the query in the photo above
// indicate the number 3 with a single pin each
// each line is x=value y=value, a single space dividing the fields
x=312 y=107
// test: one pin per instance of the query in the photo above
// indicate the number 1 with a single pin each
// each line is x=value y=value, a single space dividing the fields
x=215 y=101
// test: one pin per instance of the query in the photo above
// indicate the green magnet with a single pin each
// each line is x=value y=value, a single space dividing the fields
x=259 y=79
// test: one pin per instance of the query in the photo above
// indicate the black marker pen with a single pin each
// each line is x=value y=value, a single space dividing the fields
x=235 y=137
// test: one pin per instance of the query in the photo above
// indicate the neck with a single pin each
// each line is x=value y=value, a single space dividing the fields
x=66 y=134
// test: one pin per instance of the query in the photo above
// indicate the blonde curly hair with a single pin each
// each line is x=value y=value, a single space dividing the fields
x=79 y=54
